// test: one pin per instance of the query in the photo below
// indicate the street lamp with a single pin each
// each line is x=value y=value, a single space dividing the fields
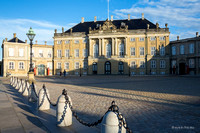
x=31 y=36
x=80 y=70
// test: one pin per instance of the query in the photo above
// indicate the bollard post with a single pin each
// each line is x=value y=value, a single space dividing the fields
x=25 y=91
x=32 y=96
x=14 y=82
x=43 y=103
x=63 y=112
x=11 y=79
x=20 y=87
x=17 y=84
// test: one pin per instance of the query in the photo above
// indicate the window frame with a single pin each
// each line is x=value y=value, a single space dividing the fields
x=59 y=64
x=21 y=65
x=132 y=51
x=67 y=65
x=162 y=64
x=59 y=53
x=141 y=51
x=11 y=66
x=153 y=64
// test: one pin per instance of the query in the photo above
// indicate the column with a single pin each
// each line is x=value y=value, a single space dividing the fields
x=126 y=47
x=90 y=52
x=113 y=49
x=103 y=46
x=116 y=46
x=99 y=46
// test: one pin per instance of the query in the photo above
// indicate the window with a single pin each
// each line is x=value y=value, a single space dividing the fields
x=121 y=67
x=173 y=50
x=153 y=64
x=173 y=63
x=85 y=65
x=59 y=42
x=33 y=64
x=121 y=50
x=182 y=50
x=40 y=53
x=132 y=51
x=132 y=39
x=191 y=63
x=76 y=41
x=162 y=50
x=162 y=38
x=49 y=53
x=133 y=64
x=153 y=38
x=141 y=39
x=67 y=65
x=96 y=50
x=59 y=53
x=11 y=51
x=67 y=42
x=108 y=50
x=191 y=48
x=67 y=53
x=153 y=50
x=141 y=50
x=58 y=65
x=21 y=65
x=33 y=53
x=85 y=53
x=162 y=63
x=76 y=65
x=21 y=52
x=49 y=65
x=84 y=40
x=11 y=65
x=76 y=53
x=142 y=64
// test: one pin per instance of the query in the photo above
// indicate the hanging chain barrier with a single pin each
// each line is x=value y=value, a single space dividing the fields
x=33 y=85
x=45 y=93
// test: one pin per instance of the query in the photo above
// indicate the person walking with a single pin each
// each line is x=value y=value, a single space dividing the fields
x=64 y=73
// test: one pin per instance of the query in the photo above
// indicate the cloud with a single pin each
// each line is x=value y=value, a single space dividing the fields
x=182 y=17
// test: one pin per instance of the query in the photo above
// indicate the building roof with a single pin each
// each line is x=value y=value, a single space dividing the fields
x=15 y=39
x=185 y=40
x=133 y=24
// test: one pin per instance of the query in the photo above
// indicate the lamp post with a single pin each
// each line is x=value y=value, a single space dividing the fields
x=31 y=36
x=80 y=70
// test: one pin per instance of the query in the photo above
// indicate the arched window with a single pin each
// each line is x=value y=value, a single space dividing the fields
x=121 y=67
x=108 y=50
x=96 y=50
x=121 y=50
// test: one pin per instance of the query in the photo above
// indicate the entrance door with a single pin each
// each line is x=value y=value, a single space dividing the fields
x=121 y=68
x=94 y=68
x=107 y=67
x=182 y=68
x=41 y=69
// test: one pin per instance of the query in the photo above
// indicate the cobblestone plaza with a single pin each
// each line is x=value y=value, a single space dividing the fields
x=149 y=104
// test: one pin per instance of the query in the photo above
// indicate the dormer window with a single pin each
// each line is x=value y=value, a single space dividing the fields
x=123 y=24
x=76 y=41
x=98 y=25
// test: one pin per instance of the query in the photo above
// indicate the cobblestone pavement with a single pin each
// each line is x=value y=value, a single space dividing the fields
x=149 y=104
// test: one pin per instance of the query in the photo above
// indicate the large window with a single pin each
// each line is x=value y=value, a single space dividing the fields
x=59 y=42
x=11 y=65
x=49 y=65
x=173 y=50
x=67 y=53
x=76 y=53
x=153 y=64
x=121 y=67
x=133 y=64
x=11 y=51
x=67 y=42
x=121 y=50
x=108 y=50
x=76 y=41
x=58 y=65
x=182 y=49
x=153 y=38
x=191 y=63
x=153 y=51
x=162 y=63
x=59 y=53
x=21 y=52
x=67 y=65
x=162 y=38
x=132 y=51
x=173 y=63
x=84 y=53
x=96 y=50
x=49 y=53
x=191 y=48
x=141 y=50
x=85 y=65
x=162 y=50
x=132 y=39
x=141 y=39
x=142 y=64
x=76 y=65
x=40 y=53
x=21 y=65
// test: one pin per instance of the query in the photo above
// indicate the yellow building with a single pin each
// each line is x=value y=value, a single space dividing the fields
x=130 y=46
x=16 y=57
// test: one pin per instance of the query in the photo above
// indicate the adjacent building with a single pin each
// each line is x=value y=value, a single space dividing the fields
x=185 y=55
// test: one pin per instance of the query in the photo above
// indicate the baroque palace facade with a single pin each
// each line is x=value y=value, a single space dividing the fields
x=130 y=46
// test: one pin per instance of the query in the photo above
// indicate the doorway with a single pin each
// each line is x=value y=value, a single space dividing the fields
x=108 y=68
x=181 y=68
x=94 y=68
x=41 y=70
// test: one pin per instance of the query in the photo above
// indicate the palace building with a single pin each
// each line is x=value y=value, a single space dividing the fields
x=129 y=46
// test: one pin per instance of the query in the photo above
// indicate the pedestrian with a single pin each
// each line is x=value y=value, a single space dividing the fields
x=60 y=73
x=64 y=73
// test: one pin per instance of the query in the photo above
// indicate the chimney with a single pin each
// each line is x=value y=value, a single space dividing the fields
x=36 y=42
x=14 y=35
x=62 y=29
x=16 y=39
x=166 y=24
x=55 y=30
x=95 y=18
x=6 y=39
x=142 y=16
x=177 y=38
x=111 y=18
x=197 y=34
x=157 y=25
x=129 y=17
x=45 y=42
x=148 y=26
x=71 y=30
x=25 y=41
x=82 y=20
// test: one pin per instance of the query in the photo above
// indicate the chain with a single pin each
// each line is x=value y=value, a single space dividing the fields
x=34 y=89
x=45 y=92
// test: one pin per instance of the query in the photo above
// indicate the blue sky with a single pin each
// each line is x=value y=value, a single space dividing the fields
x=16 y=16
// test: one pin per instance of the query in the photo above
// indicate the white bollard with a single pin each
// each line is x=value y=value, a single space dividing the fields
x=25 y=90
x=43 y=103
x=20 y=86
x=63 y=119
x=11 y=79
x=31 y=93
x=17 y=84
x=14 y=82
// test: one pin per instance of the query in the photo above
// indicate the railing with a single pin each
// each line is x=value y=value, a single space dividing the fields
x=111 y=122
